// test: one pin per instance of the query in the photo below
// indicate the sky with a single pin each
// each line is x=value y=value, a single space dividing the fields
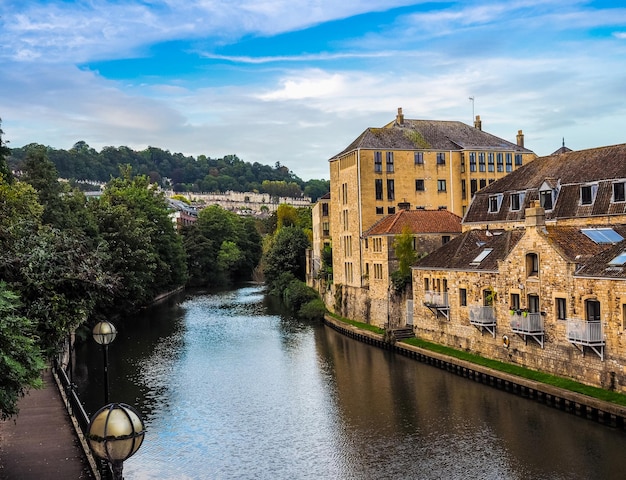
x=296 y=81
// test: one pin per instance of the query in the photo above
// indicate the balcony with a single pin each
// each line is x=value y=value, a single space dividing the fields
x=483 y=318
x=529 y=325
x=583 y=334
x=437 y=302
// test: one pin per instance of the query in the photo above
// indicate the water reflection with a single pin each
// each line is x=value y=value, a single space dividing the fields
x=231 y=388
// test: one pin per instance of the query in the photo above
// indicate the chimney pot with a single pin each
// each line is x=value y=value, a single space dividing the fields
x=520 y=139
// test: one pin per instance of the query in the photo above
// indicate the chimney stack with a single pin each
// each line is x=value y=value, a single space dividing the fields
x=520 y=139
x=478 y=123
x=400 y=117
x=535 y=216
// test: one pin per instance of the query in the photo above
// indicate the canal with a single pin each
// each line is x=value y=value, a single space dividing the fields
x=231 y=388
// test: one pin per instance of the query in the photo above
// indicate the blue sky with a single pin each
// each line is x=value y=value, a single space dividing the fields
x=295 y=81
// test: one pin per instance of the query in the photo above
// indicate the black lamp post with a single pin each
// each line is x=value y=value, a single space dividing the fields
x=116 y=432
x=104 y=333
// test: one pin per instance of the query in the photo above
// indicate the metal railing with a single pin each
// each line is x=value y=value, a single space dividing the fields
x=527 y=323
x=480 y=315
x=439 y=299
x=584 y=332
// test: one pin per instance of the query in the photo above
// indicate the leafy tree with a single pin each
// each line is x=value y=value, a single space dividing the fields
x=406 y=255
x=316 y=188
x=286 y=254
x=20 y=359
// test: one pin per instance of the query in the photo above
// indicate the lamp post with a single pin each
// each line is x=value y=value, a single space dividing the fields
x=104 y=333
x=116 y=432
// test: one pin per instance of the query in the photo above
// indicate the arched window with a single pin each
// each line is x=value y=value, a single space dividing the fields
x=532 y=265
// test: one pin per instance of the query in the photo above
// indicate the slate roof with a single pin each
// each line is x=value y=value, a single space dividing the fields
x=418 y=221
x=429 y=135
x=592 y=258
x=460 y=252
x=565 y=171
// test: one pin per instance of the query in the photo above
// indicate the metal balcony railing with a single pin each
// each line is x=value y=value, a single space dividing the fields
x=436 y=299
x=586 y=334
x=531 y=323
x=482 y=315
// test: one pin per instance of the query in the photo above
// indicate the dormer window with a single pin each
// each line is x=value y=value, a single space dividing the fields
x=588 y=194
x=494 y=203
x=517 y=200
x=619 y=192
x=545 y=199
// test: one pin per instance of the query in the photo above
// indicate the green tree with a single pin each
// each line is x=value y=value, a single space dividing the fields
x=20 y=357
x=406 y=255
x=316 y=188
x=286 y=254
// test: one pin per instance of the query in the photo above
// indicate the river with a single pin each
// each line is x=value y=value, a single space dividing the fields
x=231 y=388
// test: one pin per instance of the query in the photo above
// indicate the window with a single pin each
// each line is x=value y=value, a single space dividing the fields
x=545 y=199
x=472 y=161
x=619 y=260
x=344 y=193
x=602 y=235
x=473 y=186
x=441 y=158
x=462 y=163
x=445 y=239
x=441 y=185
x=481 y=256
x=389 y=162
x=483 y=183
x=463 y=297
x=494 y=203
x=326 y=228
x=490 y=164
x=592 y=309
x=533 y=303
x=345 y=219
x=419 y=185
x=390 y=191
x=500 y=162
x=516 y=201
x=532 y=265
x=378 y=185
x=378 y=271
x=515 y=301
x=481 y=162
x=463 y=190
x=380 y=210
x=518 y=159
x=348 y=271
x=426 y=285
x=324 y=209
x=561 y=308
x=391 y=210
x=488 y=297
x=619 y=193
x=588 y=194
x=377 y=244
x=378 y=162
x=418 y=157
x=509 y=162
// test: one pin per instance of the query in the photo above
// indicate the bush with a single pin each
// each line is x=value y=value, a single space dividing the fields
x=297 y=294
x=313 y=310
x=280 y=284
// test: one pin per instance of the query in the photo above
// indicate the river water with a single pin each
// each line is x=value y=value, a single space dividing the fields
x=230 y=388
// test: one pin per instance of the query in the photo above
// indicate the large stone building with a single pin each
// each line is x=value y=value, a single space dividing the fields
x=410 y=164
x=538 y=277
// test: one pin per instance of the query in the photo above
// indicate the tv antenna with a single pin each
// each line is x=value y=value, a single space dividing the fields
x=471 y=99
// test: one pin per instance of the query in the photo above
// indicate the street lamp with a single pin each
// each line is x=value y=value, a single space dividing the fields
x=104 y=333
x=116 y=432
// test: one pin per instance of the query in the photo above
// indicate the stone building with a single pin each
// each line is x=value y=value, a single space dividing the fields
x=410 y=164
x=320 y=214
x=538 y=276
x=429 y=228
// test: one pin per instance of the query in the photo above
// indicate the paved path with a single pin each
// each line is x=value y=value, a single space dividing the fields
x=41 y=443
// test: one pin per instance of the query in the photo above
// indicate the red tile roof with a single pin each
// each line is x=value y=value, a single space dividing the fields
x=418 y=221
